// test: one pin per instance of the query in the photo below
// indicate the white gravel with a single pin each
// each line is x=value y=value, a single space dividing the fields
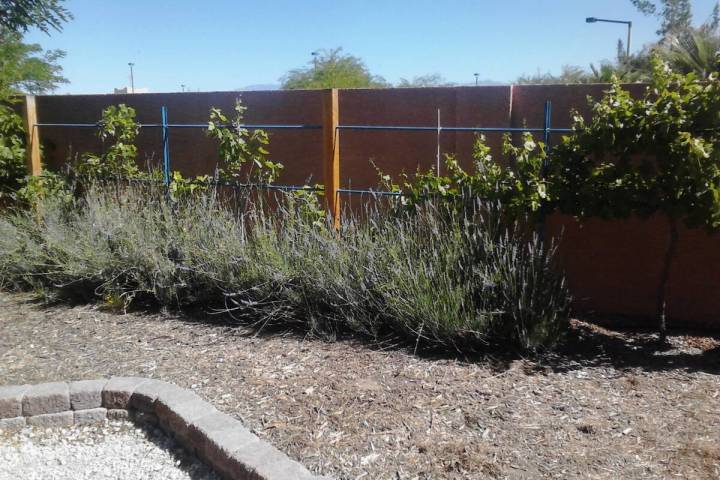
x=113 y=451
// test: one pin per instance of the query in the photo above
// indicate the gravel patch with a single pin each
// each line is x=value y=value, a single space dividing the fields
x=610 y=406
x=113 y=451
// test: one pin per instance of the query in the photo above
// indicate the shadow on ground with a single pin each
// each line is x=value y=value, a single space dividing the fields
x=586 y=345
x=589 y=345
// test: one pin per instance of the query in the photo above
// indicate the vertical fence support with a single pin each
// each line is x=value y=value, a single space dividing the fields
x=331 y=153
x=165 y=145
x=439 y=129
x=546 y=137
x=546 y=124
x=32 y=137
x=542 y=227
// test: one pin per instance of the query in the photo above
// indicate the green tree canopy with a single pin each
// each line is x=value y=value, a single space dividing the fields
x=332 y=69
x=634 y=69
x=21 y=15
x=676 y=15
x=26 y=68
x=429 y=80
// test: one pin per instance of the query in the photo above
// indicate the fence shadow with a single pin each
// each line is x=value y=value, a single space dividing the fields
x=587 y=345
x=590 y=345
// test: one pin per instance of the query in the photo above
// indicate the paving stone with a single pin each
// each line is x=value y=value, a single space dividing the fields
x=233 y=450
x=265 y=462
x=205 y=430
x=173 y=395
x=46 y=398
x=47 y=420
x=217 y=449
x=86 y=394
x=177 y=410
x=90 y=416
x=144 y=396
x=12 y=424
x=11 y=400
x=118 y=390
x=118 y=414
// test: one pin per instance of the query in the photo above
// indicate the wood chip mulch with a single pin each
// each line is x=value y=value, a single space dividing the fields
x=611 y=405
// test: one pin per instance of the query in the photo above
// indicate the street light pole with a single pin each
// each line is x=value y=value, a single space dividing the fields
x=624 y=22
x=476 y=78
x=132 y=78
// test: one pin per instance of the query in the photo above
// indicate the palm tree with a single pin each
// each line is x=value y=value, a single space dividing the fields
x=695 y=51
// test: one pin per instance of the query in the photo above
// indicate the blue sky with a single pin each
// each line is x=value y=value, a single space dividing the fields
x=224 y=44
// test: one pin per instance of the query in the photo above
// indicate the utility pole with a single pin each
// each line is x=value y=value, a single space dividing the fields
x=132 y=78
x=624 y=22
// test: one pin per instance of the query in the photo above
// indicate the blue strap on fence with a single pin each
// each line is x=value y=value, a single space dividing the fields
x=546 y=136
x=165 y=145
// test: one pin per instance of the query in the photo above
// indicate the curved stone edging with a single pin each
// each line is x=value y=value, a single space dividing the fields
x=216 y=438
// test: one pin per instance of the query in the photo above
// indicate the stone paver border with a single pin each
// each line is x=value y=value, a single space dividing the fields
x=216 y=438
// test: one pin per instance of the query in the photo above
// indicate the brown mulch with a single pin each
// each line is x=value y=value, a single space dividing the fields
x=611 y=405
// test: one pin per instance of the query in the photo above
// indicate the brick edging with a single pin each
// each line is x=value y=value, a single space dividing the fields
x=216 y=438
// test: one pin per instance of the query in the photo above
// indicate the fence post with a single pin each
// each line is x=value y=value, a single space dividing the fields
x=32 y=137
x=165 y=145
x=331 y=154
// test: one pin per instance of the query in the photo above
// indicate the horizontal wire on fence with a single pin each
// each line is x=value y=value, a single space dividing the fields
x=216 y=183
x=319 y=127
x=70 y=125
x=355 y=191
x=260 y=186
x=248 y=126
x=268 y=187
x=189 y=125
x=453 y=129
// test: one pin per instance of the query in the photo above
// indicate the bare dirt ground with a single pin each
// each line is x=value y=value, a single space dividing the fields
x=610 y=406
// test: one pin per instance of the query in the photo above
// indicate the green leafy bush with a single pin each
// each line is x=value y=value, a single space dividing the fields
x=520 y=186
x=181 y=186
x=12 y=152
x=658 y=154
x=119 y=129
x=238 y=146
x=40 y=188
x=433 y=278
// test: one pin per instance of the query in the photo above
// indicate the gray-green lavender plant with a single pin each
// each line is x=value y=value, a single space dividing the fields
x=433 y=278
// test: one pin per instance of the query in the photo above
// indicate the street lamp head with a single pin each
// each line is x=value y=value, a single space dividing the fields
x=591 y=20
x=131 y=64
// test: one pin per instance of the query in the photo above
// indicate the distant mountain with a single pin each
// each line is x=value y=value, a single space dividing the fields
x=260 y=86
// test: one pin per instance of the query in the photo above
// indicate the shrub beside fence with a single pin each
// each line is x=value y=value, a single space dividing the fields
x=598 y=275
